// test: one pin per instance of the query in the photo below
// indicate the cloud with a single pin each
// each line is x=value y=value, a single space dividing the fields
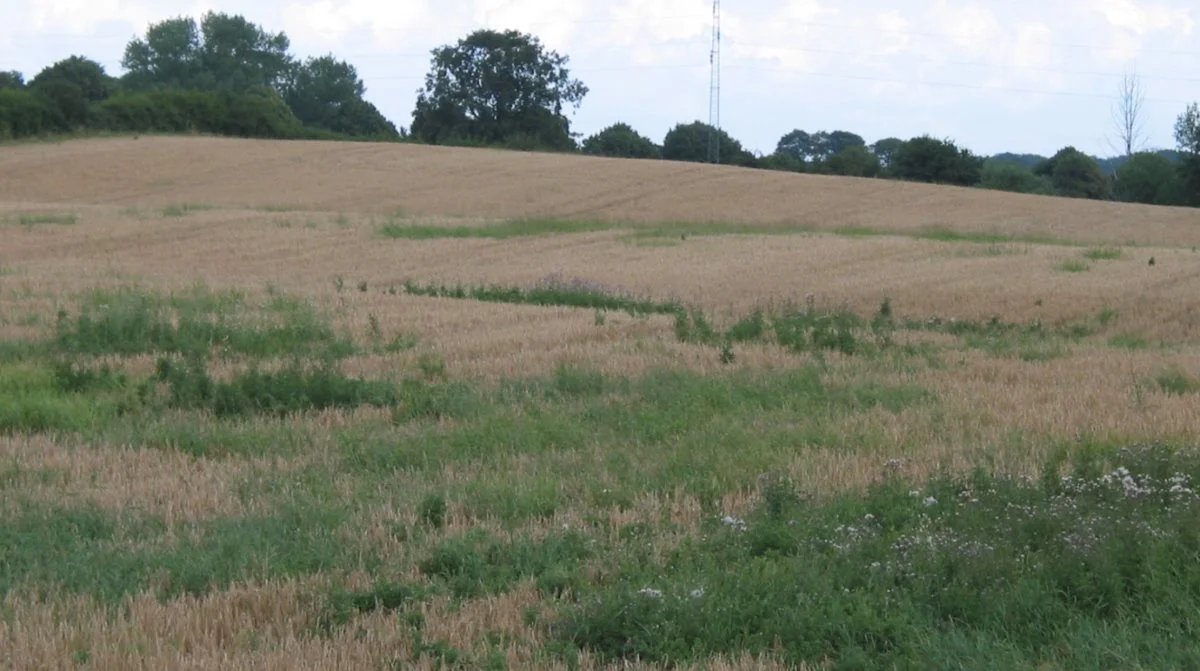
x=83 y=17
x=555 y=23
x=331 y=23
x=1143 y=18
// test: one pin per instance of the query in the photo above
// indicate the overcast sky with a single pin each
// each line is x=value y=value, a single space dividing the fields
x=995 y=75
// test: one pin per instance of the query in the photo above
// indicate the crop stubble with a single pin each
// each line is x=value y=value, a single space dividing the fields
x=299 y=216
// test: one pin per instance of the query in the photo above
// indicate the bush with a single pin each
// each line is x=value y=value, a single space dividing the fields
x=690 y=142
x=927 y=159
x=621 y=141
x=1014 y=177
x=1074 y=174
x=854 y=161
x=24 y=113
x=1150 y=178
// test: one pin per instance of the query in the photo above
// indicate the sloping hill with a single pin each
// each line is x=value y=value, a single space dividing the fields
x=452 y=182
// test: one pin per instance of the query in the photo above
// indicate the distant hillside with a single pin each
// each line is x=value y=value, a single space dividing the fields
x=1109 y=165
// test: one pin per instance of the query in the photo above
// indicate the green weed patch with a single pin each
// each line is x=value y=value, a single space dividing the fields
x=963 y=569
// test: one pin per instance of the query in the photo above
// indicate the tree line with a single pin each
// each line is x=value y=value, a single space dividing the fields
x=226 y=75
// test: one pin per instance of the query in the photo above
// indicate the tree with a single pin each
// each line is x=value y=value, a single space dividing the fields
x=1187 y=130
x=223 y=53
x=88 y=75
x=829 y=144
x=621 y=140
x=72 y=85
x=240 y=56
x=854 y=161
x=1150 y=178
x=689 y=142
x=1074 y=174
x=797 y=144
x=1012 y=176
x=1127 y=115
x=817 y=146
x=327 y=93
x=24 y=113
x=886 y=149
x=495 y=87
x=1187 y=135
x=12 y=80
x=927 y=159
x=168 y=57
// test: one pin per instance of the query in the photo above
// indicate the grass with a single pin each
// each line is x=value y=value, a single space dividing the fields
x=184 y=209
x=198 y=322
x=805 y=502
x=1104 y=254
x=30 y=220
x=673 y=232
x=551 y=291
x=1174 y=380
x=982 y=570
x=950 y=235
x=513 y=228
x=1072 y=266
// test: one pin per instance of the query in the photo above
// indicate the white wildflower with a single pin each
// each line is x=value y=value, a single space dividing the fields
x=650 y=593
x=735 y=522
x=929 y=501
x=698 y=592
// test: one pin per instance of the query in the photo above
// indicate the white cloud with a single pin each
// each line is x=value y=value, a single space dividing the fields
x=973 y=29
x=1128 y=26
x=555 y=23
x=785 y=38
x=329 y=23
x=82 y=17
x=1143 y=18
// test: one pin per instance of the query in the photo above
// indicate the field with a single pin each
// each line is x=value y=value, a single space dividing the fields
x=353 y=406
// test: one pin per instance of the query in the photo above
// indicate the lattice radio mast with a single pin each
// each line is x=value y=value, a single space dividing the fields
x=714 y=88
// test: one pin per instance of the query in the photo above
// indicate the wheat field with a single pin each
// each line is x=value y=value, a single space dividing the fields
x=1016 y=325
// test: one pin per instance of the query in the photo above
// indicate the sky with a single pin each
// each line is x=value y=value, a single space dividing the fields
x=1026 y=76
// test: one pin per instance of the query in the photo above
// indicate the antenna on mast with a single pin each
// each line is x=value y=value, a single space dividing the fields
x=714 y=88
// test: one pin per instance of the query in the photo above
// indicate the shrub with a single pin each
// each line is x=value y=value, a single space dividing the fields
x=927 y=159
x=25 y=113
x=1074 y=174
x=1014 y=177
x=622 y=141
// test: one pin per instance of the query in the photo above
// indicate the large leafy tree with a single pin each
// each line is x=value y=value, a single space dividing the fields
x=689 y=142
x=854 y=161
x=223 y=52
x=1148 y=177
x=71 y=86
x=497 y=87
x=1074 y=174
x=327 y=93
x=621 y=140
x=886 y=149
x=12 y=80
x=819 y=146
x=1187 y=135
x=928 y=159
x=797 y=145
